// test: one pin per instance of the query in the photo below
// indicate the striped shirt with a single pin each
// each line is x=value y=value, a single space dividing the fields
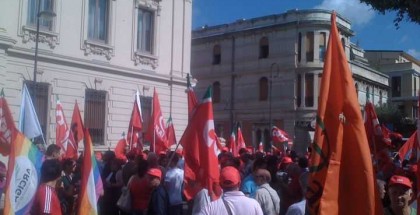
x=46 y=201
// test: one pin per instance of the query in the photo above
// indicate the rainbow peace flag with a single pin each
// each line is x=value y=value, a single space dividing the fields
x=91 y=186
x=23 y=175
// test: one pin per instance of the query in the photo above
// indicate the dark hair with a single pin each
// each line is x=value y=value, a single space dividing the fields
x=51 y=149
x=142 y=167
x=50 y=170
x=67 y=162
x=303 y=162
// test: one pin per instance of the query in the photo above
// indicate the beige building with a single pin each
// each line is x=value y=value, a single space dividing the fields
x=268 y=69
x=404 y=71
x=98 y=52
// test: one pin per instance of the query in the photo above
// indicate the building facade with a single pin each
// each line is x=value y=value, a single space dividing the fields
x=404 y=71
x=268 y=69
x=98 y=53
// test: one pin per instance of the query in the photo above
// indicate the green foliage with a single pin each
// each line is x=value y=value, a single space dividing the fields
x=408 y=9
x=388 y=113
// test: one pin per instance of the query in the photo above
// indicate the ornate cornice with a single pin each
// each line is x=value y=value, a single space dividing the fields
x=98 y=49
x=29 y=34
x=145 y=60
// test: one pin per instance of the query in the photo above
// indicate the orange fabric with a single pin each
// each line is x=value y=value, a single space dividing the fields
x=342 y=180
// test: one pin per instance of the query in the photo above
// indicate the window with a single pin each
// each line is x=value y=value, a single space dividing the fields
x=396 y=86
x=380 y=97
x=415 y=86
x=45 y=5
x=267 y=139
x=322 y=45
x=299 y=47
x=216 y=92
x=145 y=33
x=95 y=115
x=264 y=48
x=98 y=20
x=39 y=94
x=146 y=111
x=343 y=43
x=367 y=93
x=309 y=46
x=309 y=90
x=259 y=137
x=299 y=90
x=217 y=54
x=263 y=89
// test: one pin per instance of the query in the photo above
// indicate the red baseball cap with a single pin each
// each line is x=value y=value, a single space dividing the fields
x=155 y=172
x=229 y=177
x=397 y=179
x=225 y=149
x=286 y=160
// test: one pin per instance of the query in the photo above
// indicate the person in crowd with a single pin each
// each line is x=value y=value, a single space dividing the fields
x=181 y=162
x=232 y=200
x=400 y=193
x=299 y=208
x=3 y=172
x=46 y=200
x=140 y=191
x=53 y=152
x=290 y=191
x=266 y=196
x=112 y=188
x=173 y=183
x=66 y=190
x=130 y=168
x=153 y=161
x=249 y=187
x=159 y=200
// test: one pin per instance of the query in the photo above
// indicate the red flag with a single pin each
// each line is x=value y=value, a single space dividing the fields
x=199 y=143
x=278 y=135
x=156 y=130
x=170 y=132
x=8 y=129
x=407 y=149
x=64 y=136
x=341 y=166
x=241 y=141
x=135 y=126
x=232 y=144
x=418 y=153
x=120 y=149
x=376 y=139
x=77 y=126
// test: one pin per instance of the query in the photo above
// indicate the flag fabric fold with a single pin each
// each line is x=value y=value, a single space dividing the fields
x=64 y=136
x=120 y=149
x=341 y=166
x=77 y=126
x=377 y=140
x=91 y=187
x=409 y=147
x=136 y=124
x=192 y=98
x=8 y=129
x=156 y=131
x=199 y=142
x=28 y=120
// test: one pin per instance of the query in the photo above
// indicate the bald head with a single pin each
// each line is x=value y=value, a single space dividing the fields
x=262 y=176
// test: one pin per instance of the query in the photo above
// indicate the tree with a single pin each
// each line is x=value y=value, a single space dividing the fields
x=409 y=9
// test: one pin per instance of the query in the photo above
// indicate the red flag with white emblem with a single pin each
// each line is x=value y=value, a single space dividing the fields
x=8 y=129
x=278 y=135
x=156 y=130
x=63 y=136
x=200 y=147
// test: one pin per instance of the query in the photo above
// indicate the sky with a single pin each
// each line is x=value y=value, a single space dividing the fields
x=373 y=31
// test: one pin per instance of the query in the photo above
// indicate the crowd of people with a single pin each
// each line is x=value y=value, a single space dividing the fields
x=251 y=183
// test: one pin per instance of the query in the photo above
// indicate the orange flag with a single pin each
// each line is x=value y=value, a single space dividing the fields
x=342 y=179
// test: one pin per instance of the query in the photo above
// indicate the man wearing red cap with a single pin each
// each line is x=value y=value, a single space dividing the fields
x=232 y=201
x=400 y=193
x=159 y=201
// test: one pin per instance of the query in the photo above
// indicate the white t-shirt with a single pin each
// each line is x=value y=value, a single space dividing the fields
x=238 y=203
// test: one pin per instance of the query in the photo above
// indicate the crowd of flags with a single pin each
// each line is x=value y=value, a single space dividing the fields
x=341 y=164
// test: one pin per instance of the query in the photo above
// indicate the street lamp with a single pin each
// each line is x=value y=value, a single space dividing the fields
x=271 y=99
x=46 y=15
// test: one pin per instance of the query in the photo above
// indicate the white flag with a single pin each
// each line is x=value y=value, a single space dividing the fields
x=28 y=120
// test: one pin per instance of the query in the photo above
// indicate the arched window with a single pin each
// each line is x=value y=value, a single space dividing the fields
x=263 y=89
x=216 y=92
x=217 y=54
x=264 y=48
